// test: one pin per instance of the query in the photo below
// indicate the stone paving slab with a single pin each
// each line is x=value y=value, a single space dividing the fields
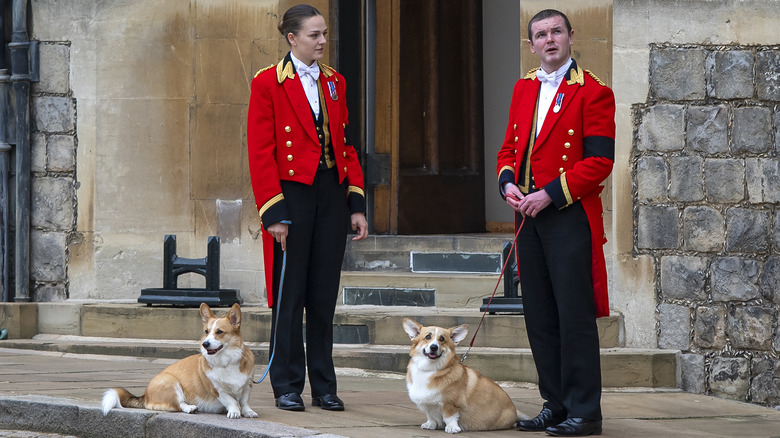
x=377 y=406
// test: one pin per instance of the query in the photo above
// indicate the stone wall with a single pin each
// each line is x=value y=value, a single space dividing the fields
x=53 y=191
x=706 y=160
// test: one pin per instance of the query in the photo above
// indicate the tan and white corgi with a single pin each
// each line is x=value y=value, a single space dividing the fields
x=216 y=380
x=452 y=395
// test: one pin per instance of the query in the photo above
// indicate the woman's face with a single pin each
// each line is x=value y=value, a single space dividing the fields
x=309 y=44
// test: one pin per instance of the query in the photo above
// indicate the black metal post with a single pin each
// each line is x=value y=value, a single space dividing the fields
x=5 y=157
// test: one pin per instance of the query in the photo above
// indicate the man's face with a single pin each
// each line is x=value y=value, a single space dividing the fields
x=551 y=42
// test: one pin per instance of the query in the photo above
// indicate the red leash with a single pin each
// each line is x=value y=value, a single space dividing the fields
x=506 y=262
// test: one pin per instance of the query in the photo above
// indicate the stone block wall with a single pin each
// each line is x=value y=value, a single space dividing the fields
x=706 y=188
x=53 y=217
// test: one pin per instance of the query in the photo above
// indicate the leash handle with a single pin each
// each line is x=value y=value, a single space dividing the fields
x=276 y=323
x=506 y=262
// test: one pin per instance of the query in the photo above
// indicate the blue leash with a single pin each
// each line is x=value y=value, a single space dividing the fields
x=276 y=323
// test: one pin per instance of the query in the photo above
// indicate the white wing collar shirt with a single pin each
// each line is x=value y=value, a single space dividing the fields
x=309 y=76
x=547 y=91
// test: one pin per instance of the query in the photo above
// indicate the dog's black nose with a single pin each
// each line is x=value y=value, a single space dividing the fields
x=434 y=347
x=206 y=345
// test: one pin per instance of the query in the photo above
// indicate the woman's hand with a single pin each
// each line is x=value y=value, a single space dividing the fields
x=359 y=224
x=279 y=231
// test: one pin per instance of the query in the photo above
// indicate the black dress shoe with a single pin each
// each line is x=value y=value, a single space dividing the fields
x=329 y=402
x=290 y=402
x=575 y=427
x=545 y=419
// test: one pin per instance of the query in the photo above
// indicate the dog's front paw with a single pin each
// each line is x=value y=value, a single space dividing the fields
x=452 y=428
x=234 y=413
x=188 y=409
x=248 y=413
x=428 y=425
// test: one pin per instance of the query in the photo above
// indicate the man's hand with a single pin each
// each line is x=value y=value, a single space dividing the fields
x=279 y=231
x=513 y=196
x=359 y=224
x=533 y=203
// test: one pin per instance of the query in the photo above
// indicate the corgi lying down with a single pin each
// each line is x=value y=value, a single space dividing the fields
x=452 y=395
x=216 y=380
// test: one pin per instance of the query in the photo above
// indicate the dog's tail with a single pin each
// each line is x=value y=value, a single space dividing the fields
x=121 y=398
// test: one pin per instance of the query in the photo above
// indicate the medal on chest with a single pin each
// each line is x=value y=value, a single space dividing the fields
x=332 y=89
x=558 y=102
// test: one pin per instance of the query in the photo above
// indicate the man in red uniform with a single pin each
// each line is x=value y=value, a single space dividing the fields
x=559 y=148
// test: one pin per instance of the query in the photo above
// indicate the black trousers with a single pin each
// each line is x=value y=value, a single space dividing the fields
x=554 y=261
x=315 y=251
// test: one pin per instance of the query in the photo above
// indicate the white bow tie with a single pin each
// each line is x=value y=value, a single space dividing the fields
x=544 y=77
x=313 y=71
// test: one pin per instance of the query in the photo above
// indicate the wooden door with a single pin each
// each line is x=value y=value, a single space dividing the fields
x=429 y=117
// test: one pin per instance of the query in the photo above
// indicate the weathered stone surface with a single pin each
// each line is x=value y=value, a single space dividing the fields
x=652 y=179
x=55 y=69
x=692 y=373
x=747 y=230
x=750 y=134
x=678 y=74
x=768 y=74
x=61 y=153
x=734 y=279
x=683 y=277
x=707 y=129
x=724 y=180
x=750 y=327
x=54 y=114
x=766 y=381
x=675 y=324
x=709 y=328
x=729 y=378
x=47 y=256
x=730 y=74
x=686 y=179
x=663 y=129
x=38 y=153
x=657 y=227
x=49 y=294
x=703 y=229
x=770 y=280
x=763 y=180
x=52 y=203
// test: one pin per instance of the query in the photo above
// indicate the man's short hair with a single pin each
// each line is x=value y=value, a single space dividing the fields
x=547 y=13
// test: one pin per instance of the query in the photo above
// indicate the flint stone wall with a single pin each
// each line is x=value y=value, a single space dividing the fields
x=706 y=162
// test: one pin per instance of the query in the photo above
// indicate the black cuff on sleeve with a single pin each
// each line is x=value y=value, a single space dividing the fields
x=555 y=192
x=506 y=176
x=356 y=203
x=275 y=213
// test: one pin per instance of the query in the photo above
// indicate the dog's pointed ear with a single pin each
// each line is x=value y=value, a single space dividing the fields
x=412 y=328
x=205 y=312
x=459 y=333
x=234 y=316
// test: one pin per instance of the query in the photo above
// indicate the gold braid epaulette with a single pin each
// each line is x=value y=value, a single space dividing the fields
x=264 y=69
x=531 y=74
x=595 y=78
x=326 y=69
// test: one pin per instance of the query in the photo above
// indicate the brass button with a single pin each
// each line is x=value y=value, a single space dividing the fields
x=320 y=136
x=344 y=125
x=344 y=154
x=345 y=169
x=602 y=214
x=291 y=172
x=345 y=140
x=567 y=145
x=289 y=158
x=605 y=235
x=515 y=151
x=565 y=158
x=599 y=195
x=515 y=126
x=287 y=129
x=516 y=139
x=289 y=143
x=560 y=170
x=571 y=132
x=533 y=186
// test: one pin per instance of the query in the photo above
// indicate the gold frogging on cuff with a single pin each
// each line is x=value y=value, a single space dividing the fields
x=566 y=192
x=506 y=168
x=271 y=202
x=356 y=189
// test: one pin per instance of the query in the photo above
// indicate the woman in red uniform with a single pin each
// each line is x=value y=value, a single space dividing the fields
x=308 y=186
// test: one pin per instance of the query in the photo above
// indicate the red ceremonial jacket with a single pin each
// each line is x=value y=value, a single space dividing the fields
x=283 y=145
x=572 y=155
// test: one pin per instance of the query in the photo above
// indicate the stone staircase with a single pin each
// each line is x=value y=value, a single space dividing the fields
x=436 y=280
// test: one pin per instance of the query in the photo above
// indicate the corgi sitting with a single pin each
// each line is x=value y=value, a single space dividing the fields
x=452 y=395
x=217 y=379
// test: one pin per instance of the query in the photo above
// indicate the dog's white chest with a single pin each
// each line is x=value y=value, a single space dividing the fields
x=419 y=389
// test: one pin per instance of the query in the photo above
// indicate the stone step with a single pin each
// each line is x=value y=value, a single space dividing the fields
x=621 y=367
x=428 y=253
x=374 y=325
